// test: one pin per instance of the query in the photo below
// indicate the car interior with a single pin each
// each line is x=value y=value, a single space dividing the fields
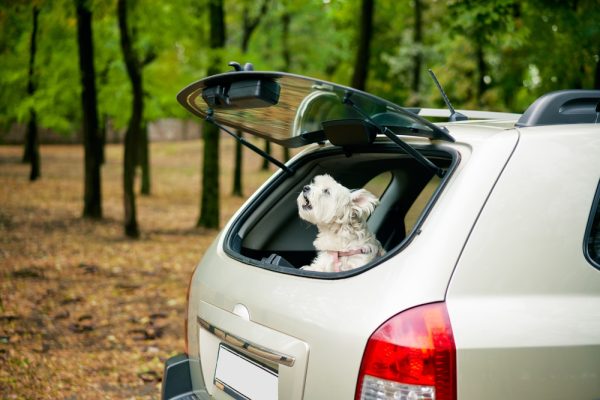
x=271 y=234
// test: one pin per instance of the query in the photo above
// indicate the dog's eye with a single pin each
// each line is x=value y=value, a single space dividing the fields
x=326 y=191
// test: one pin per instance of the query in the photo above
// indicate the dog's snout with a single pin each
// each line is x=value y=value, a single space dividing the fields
x=306 y=189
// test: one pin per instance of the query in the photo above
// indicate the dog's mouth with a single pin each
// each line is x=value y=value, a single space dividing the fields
x=306 y=206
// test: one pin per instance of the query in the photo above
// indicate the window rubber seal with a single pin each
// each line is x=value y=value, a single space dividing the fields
x=594 y=217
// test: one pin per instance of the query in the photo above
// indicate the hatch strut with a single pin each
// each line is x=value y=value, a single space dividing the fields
x=209 y=117
x=387 y=132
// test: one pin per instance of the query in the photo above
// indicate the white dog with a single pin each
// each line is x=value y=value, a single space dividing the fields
x=344 y=241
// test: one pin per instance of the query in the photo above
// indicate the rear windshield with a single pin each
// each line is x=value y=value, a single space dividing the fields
x=287 y=108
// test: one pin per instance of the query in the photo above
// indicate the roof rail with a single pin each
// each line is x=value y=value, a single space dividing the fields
x=472 y=114
x=563 y=107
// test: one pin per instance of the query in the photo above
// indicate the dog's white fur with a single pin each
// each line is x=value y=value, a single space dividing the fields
x=344 y=241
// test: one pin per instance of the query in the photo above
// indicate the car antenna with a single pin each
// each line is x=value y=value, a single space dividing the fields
x=454 y=115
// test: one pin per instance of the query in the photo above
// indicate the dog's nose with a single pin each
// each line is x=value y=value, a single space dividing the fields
x=306 y=189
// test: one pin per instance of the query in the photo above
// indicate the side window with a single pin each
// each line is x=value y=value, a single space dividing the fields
x=592 y=236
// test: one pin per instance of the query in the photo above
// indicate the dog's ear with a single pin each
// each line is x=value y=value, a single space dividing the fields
x=363 y=203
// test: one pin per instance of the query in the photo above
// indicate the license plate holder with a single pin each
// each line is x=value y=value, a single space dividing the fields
x=243 y=378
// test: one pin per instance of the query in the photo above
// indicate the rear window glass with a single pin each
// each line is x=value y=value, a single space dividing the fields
x=592 y=240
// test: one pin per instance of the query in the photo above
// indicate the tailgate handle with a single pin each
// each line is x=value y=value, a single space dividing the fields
x=249 y=347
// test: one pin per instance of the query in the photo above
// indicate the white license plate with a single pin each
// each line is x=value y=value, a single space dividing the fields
x=242 y=378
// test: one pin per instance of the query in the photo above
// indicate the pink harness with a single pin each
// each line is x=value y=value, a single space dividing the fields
x=337 y=254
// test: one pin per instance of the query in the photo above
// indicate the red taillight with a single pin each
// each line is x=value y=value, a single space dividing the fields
x=411 y=356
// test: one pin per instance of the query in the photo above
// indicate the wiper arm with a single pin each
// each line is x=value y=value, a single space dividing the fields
x=209 y=117
x=387 y=132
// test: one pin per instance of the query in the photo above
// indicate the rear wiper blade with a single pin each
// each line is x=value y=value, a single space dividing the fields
x=209 y=117
x=387 y=132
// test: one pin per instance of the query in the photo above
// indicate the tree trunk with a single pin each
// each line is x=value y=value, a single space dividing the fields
x=134 y=127
x=103 y=119
x=286 y=19
x=237 y=189
x=286 y=154
x=31 y=152
x=361 y=65
x=92 y=141
x=33 y=146
x=209 y=202
x=418 y=57
x=265 y=162
x=144 y=160
x=249 y=26
x=102 y=124
x=482 y=72
x=597 y=76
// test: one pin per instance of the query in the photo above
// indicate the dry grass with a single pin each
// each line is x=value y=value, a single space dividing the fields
x=84 y=312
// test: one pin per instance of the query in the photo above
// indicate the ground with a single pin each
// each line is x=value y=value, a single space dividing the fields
x=86 y=313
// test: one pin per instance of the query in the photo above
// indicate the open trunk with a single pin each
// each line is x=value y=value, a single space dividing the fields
x=270 y=234
x=367 y=149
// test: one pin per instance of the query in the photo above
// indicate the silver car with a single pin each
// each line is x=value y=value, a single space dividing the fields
x=490 y=285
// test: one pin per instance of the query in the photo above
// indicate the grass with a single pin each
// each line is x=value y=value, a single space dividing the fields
x=86 y=313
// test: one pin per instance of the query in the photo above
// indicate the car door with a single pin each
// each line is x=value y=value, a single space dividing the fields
x=524 y=300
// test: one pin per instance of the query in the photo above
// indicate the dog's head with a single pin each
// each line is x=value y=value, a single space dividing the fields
x=325 y=202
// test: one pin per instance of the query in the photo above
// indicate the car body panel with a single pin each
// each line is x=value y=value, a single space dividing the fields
x=334 y=318
x=290 y=377
x=524 y=302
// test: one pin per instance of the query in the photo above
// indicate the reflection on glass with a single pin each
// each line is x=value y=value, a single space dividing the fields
x=303 y=105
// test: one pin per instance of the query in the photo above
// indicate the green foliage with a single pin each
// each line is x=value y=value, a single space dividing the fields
x=518 y=49
x=56 y=98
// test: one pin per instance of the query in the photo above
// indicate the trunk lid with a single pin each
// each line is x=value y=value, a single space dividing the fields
x=293 y=110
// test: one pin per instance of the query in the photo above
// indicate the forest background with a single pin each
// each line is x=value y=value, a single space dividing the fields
x=86 y=65
x=91 y=302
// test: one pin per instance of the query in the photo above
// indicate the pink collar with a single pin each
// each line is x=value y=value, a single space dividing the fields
x=337 y=254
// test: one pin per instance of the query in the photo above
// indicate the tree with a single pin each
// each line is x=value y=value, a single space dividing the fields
x=209 y=203
x=286 y=18
x=132 y=135
x=361 y=64
x=249 y=25
x=597 y=74
x=92 y=141
x=418 y=56
x=143 y=159
x=32 y=146
x=561 y=24
x=481 y=23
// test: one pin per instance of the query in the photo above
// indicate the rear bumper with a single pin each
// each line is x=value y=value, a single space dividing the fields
x=177 y=380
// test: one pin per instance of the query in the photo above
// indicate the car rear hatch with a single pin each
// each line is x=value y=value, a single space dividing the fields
x=290 y=109
x=302 y=334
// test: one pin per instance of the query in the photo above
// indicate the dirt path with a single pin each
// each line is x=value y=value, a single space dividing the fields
x=84 y=312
